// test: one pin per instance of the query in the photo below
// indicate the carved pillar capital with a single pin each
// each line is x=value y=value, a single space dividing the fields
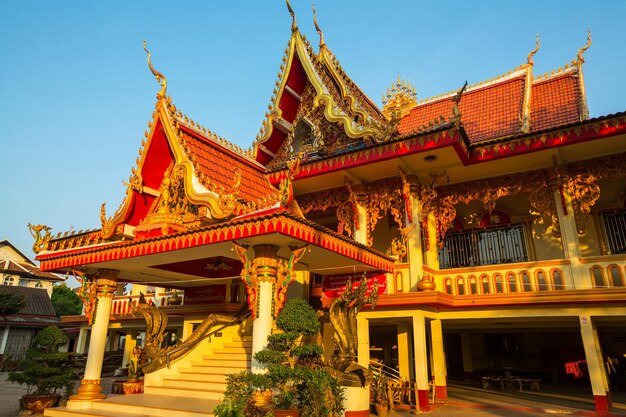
x=107 y=282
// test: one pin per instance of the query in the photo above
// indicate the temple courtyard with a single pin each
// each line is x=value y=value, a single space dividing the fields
x=463 y=399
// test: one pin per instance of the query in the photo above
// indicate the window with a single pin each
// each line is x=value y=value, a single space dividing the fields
x=9 y=280
x=484 y=280
x=460 y=286
x=598 y=278
x=557 y=280
x=512 y=281
x=489 y=246
x=447 y=283
x=614 y=223
x=616 y=276
x=38 y=285
x=497 y=278
x=472 y=285
x=542 y=284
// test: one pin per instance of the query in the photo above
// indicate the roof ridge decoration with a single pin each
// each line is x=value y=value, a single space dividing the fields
x=584 y=111
x=525 y=117
x=317 y=28
x=401 y=96
x=41 y=242
x=159 y=76
x=294 y=25
x=529 y=59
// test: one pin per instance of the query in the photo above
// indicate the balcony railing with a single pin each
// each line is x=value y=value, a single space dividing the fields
x=614 y=223
x=491 y=246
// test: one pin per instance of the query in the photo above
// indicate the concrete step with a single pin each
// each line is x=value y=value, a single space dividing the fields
x=213 y=368
x=142 y=405
x=195 y=375
x=234 y=363
x=227 y=356
x=235 y=350
x=186 y=392
x=193 y=384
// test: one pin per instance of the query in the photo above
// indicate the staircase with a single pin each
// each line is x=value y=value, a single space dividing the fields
x=192 y=392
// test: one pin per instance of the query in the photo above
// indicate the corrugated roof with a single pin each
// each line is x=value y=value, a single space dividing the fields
x=38 y=304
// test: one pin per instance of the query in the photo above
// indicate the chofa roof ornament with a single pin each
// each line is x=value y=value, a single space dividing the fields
x=529 y=60
x=294 y=25
x=582 y=50
x=160 y=77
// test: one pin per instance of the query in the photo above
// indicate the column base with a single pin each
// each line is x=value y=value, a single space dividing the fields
x=357 y=401
x=90 y=389
x=422 y=400
x=441 y=393
x=603 y=403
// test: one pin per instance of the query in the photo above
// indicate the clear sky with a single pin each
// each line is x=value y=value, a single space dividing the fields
x=76 y=93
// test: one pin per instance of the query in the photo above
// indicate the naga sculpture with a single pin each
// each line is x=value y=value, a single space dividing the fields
x=342 y=315
x=156 y=323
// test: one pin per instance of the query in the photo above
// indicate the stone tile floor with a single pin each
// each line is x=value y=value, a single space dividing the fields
x=465 y=400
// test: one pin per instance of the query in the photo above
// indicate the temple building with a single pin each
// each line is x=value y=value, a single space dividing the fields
x=489 y=219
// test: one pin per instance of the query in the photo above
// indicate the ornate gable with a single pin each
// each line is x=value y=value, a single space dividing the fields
x=316 y=110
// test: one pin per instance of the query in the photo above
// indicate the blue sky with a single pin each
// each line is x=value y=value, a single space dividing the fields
x=76 y=94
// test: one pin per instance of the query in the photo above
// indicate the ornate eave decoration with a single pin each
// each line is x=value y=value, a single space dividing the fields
x=285 y=274
x=41 y=241
x=87 y=293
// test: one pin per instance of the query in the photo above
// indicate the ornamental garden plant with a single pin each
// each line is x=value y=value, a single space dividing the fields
x=296 y=377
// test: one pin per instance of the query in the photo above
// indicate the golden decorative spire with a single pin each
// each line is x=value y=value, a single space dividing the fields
x=401 y=96
x=294 y=26
x=317 y=27
x=529 y=60
x=160 y=77
x=584 y=48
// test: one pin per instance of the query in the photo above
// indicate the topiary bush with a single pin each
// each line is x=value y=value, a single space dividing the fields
x=44 y=369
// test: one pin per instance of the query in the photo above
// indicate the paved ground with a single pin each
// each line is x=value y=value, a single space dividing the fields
x=464 y=401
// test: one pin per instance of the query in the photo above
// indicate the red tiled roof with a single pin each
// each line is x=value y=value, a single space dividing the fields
x=555 y=102
x=218 y=165
x=487 y=112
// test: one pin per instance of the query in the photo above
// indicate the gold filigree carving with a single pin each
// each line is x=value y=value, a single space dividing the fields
x=336 y=198
x=265 y=266
x=87 y=293
x=41 y=242
x=401 y=97
x=383 y=196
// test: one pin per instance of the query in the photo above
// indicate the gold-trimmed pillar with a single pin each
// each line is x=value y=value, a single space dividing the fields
x=581 y=279
x=595 y=364
x=414 y=243
x=432 y=254
x=90 y=388
x=265 y=261
x=361 y=227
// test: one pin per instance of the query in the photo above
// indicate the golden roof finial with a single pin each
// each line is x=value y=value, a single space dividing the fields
x=584 y=48
x=317 y=27
x=160 y=77
x=294 y=26
x=529 y=60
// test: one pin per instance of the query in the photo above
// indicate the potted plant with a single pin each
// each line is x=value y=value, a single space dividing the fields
x=379 y=393
x=296 y=375
x=134 y=385
x=45 y=370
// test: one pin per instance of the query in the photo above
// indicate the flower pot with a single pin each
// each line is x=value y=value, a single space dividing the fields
x=133 y=387
x=287 y=413
x=382 y=409
x=38 y=403
x=262 y=398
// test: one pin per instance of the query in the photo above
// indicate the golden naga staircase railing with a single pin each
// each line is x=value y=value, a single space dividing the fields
x=238 y=319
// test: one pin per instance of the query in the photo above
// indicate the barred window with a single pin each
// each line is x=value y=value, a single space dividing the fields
x=614 y=223
x=489 y=246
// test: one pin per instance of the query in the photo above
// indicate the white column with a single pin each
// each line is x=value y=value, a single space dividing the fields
x=360 y=232
x=5 y=337
x=595 y=364
x=421 y=360
x=263 y=323
x=82 y=339
x=90 y=388
x=363 y=336
x=439 y=360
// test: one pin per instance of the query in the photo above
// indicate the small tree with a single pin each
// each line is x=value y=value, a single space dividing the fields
x=44 y=369
x=65 y=301
x=11 y=303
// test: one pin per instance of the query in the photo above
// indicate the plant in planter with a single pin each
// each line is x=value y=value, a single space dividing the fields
x=45 y=370
x=379 y=393
x=295 y=372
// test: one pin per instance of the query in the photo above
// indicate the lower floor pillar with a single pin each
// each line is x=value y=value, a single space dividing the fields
x=466 y=348
x=421 y=362
x=262 y=324
x=357 y=401
x=595 y=365
x=439 y=361
x=405 y=350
